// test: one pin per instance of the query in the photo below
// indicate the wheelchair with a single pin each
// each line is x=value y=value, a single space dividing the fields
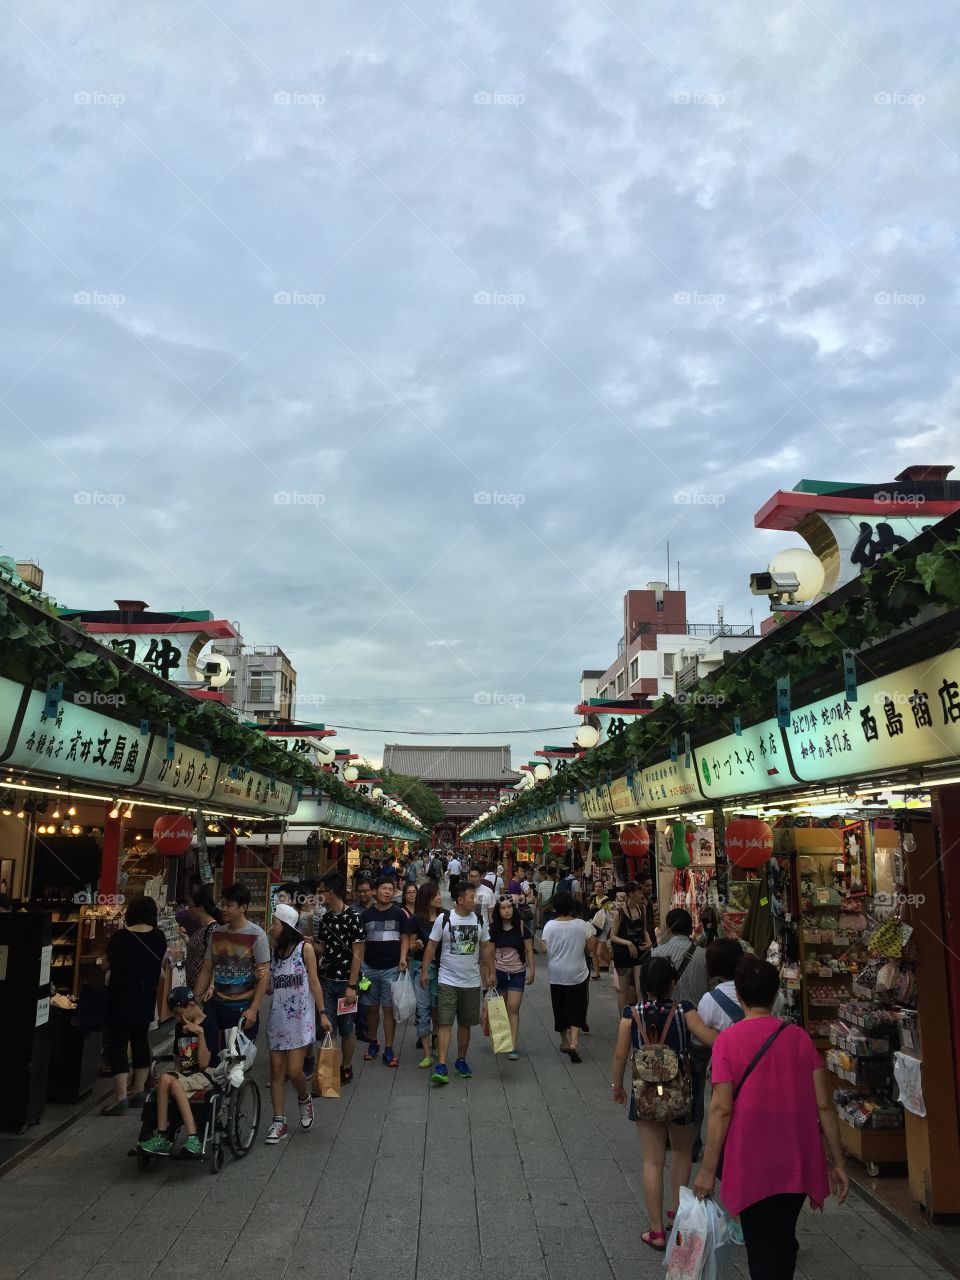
x=227 y=1112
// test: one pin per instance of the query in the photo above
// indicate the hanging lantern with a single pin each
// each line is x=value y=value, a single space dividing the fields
x=558 y=843
x=679 y=858
x=635 y=841
x=521 y=844
x=748 y=842
x=604 y=853
x=172 y=834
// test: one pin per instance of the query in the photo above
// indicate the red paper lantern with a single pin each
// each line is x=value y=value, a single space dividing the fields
x=748 y=842
x=635 y=841
x=522 y=845
x=172 y=834
x=558 y=843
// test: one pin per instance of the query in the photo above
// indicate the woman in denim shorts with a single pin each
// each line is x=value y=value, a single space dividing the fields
x=516 y=965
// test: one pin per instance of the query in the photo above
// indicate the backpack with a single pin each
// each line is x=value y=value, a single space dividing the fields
x=661 y=1076
x=733 y=1011
x=435 y=870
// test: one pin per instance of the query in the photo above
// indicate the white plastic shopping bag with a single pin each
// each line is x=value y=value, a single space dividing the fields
x=404 y=997
x=690 y=1248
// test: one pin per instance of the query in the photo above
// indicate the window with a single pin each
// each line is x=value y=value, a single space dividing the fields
x=620 y=682
x=635 y=670
x=668 y=663
x=261 y=688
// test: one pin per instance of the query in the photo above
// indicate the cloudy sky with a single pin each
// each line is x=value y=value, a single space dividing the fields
x=290 y=290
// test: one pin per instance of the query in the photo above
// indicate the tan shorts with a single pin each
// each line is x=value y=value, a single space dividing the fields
x=193 y=1082
x=460 y=1005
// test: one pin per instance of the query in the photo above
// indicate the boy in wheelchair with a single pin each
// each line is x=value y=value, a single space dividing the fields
x=192 y=1077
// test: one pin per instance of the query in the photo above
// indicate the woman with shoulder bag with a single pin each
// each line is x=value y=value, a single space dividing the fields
x=659 y=1030
x=769 y=1079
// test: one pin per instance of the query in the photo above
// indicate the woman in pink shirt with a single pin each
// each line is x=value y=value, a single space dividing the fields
x=770 y=1111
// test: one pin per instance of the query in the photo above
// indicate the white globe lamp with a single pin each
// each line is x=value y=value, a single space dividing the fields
x=541 y=772
x=587 y=736
x=351 y=773
x=377 y=792
x=807 y=568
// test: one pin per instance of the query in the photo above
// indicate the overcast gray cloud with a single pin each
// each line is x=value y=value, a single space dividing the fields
x=381 y=258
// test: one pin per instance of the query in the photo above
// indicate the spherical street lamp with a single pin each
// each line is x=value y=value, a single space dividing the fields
x=541 y=772
x=587 y=736
x=351 y=773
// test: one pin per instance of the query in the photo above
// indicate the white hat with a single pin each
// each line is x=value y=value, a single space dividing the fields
x=283 y=911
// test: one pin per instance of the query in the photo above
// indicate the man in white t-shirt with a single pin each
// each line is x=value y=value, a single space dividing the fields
x=486 y=897
x=466 y=966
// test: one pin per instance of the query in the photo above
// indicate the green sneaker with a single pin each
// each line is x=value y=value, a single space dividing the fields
x=193 y=1146
x=424 y=1063
x=158 y=1145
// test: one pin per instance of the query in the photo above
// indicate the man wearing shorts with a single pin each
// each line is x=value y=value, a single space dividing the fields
x=382 y=927
x=466 y=966
x=340 y=944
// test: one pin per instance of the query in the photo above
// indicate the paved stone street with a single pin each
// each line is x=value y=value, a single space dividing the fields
x=527 y=1171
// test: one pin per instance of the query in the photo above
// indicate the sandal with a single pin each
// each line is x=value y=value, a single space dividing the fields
x=655 y=1240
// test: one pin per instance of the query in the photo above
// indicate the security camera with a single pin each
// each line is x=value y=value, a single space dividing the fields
x=779 y=587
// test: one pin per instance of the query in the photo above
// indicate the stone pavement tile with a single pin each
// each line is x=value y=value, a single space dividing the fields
x=449 y=1263
x=522 y=1269
x=864 y=1245
x=139 y=1247
x=123 y=1271
x=400 y=1264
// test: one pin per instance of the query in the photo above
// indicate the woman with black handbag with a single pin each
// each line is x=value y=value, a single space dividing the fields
x=769 y=1079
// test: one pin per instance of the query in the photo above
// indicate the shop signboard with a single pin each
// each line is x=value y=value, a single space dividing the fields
x=252 y=790
x=623 y=797
x=911 y=716
x=80 y=742
x=190 y=773
x=170 y=655
x=669 y=782
x=741 y=764
x=595 y=802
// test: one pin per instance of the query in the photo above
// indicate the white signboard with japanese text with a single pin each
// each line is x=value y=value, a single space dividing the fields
x=80 y=742
x=911 y=716
x=736 y=765
x=190 y=773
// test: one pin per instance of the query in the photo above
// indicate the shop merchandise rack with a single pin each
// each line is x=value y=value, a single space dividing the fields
x=65 y=924
x=97 y=925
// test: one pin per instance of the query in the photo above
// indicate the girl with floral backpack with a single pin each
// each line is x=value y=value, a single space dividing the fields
x=658 y=1030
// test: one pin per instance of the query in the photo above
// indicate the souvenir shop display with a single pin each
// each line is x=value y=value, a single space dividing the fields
x=97 y=926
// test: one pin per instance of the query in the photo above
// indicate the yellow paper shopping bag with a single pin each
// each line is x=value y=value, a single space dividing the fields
x=501 y=1037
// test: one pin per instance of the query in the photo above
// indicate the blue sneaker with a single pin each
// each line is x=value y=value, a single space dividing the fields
x=373 y=1052
x=440 y=1074
x=462 y=1068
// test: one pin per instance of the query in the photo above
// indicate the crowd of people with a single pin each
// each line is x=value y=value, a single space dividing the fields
x=693 y=1008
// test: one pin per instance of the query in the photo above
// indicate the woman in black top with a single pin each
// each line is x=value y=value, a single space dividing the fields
x=416 y=935
x=515 y=962
x=631 y=946
x=133 y=962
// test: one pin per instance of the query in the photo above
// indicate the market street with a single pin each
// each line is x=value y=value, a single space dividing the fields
x=527 y=1171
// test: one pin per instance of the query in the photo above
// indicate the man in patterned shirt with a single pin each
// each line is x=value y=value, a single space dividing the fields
x=340 y=946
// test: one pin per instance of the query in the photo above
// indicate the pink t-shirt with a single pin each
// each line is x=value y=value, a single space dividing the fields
x=773 y=1145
